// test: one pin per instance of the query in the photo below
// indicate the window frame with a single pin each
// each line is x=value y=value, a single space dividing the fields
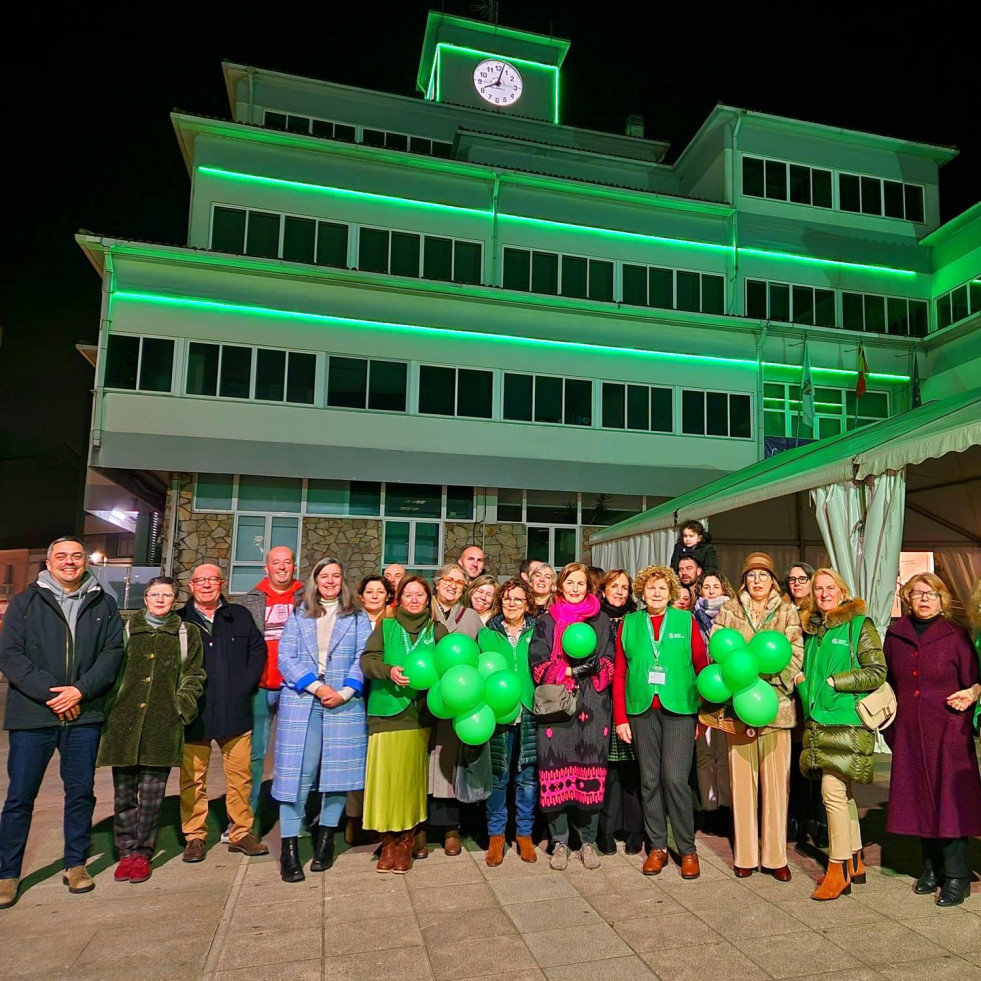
x=534 y=399
x=833 y=206
x=251 y=397
x=174 y=363
x=705 y=392
x=674 y=270
x=881 y=213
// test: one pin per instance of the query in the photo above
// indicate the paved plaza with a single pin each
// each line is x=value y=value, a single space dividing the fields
x=232 y=919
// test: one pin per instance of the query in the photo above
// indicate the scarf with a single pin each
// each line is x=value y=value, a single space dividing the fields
x=706 y=610
x=617 y=613
x=565 y=614
x=413 y=623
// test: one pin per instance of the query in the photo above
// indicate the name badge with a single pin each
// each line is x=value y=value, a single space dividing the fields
x=655 y=677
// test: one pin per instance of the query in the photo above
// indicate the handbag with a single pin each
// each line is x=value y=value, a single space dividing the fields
x=718 y=717
x=555 y=703
x=877 y=710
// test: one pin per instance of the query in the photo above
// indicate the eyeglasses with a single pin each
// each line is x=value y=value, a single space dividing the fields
x=514 y=600
x=794 y=580
x=930 y=594
x=160 y=596
x=758 y=576
x=455 y=582
x=206 y=581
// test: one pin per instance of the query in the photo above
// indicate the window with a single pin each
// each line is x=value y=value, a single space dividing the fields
x=280 y=494
x=638 y=407
x=346 y=498
x=262 y=234
x=780 y=181
x=957 y=304
x=877 y=196
x=257 y=233
x=791 y=304
x=452 y=261
x=544 y=398
x=608 y=509
x=254 y=535
x=383 y=251
x=556 y=546
x=228 y=230
x=883 y=314
x=141 y=364
x=360 y=383
x=231 y=371
x=414 y=544
x=455 y=391
x=214 y=492
x=566 y=275
x=716 y=414
x=673 y=289
x=834 y=410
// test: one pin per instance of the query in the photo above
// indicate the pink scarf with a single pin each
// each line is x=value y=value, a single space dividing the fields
x=565 y=614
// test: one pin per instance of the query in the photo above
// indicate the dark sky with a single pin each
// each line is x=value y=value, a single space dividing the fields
x=90 y=144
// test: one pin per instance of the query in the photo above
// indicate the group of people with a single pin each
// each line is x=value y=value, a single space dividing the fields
x=613 y=742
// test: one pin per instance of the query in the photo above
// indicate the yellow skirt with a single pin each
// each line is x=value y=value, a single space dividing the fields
x=396 y=780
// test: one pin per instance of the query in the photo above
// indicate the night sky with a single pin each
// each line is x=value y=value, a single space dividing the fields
x=90 y=145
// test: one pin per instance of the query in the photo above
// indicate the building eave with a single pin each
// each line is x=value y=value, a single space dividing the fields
x=956 y=224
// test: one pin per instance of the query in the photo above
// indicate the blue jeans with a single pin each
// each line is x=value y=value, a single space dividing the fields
x=525 y=791
x=27 y=758
x=265 y=703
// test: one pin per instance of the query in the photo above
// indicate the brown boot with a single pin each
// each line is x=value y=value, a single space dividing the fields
x=526 y=849
x=836 y=883
x=403 y=853
x=857 y=870
x=656 y=861
x=495 y=853
x=387 y=858
x=420 y=847
x=452 y=846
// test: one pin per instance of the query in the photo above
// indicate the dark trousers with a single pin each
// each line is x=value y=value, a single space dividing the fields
x=585 y=823
x=664 y=743
x=30 y=751
x=622 y=812
x=139 y=795
x=947 y=856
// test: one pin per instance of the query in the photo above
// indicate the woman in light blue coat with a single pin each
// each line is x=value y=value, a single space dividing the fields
x=321 y=724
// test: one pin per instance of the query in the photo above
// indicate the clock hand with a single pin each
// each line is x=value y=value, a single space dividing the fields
x=499 y=77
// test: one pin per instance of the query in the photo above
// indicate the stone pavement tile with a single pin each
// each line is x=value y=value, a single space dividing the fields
x=530 y=917
x=428 y=873
x=956 y=934
x=792 y=955
x=28 y=958
x=665 y=932
x=720 y=960
x=342 y=907
x=610 y=880
x=281 y=916
x=698 y=896
x=931 y=969
x=755 y=920
x=377 y=933
x=671 y=875
x=115 y=949
x=973 y=958
x=531 y=890
x=614 y=969
x=574 y=945
x=270 y=946
x=466 y=958
x=370 y=883
x=766 y=887
x=441 y=926
x=401 y=963
x=855 y=974
x=513 y=867
x=470 y=895
x=533 y=975
x=901 y=905
x=634 y=905
x=887 y=943
x=308 y=970
x=819 y=916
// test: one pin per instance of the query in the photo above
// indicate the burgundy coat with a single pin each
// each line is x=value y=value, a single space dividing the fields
x=935 y=789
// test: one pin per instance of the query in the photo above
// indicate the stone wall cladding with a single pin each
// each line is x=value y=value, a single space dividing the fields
x=504 y=545
x=200 y=536
x=357 y=542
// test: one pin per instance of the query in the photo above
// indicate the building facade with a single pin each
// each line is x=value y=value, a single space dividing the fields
x=403 y=325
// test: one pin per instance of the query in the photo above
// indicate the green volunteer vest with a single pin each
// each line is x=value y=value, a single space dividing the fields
x=517 y=658
x=823 y=658
x=678 y=693
x=386 y=698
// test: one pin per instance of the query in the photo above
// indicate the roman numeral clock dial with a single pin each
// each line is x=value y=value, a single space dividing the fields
x=497 y=82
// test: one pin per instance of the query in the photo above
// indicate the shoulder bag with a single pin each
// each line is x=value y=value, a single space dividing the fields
x=878 y=709
x=555 y=703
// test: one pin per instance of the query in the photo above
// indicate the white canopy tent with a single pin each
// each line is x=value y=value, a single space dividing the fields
x=909 y=482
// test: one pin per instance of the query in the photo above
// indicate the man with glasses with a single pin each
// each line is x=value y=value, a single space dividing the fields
x=234 y=658
x=60 y=651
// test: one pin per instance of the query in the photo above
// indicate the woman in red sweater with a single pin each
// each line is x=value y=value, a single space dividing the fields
x=659 y=652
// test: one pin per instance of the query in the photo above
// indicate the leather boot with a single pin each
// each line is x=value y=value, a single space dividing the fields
x=387 y=857
x=323 y=851
x=420 y=847
x=403 y=853
x=526 y=848
x=953 y=892
x=452 y=846
x=290 y=869
x=857 y=871
x=495 y=854
x=836 y=882
x=926 y=884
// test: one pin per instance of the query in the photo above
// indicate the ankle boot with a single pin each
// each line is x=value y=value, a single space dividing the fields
x=290 y=869
x=495 y=853
x=420 y=845
x=953 y=892
x=452 y=845
x=387 y=858
x=323 y=851
x=856 y=871
x=835 y=883
x=926 y=884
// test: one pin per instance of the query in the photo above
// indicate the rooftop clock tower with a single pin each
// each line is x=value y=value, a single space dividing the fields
x=485 y=66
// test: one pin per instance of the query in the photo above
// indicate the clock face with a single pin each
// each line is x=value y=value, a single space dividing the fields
x=497 y=82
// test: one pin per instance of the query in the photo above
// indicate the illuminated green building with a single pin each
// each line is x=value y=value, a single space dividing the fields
x=402 y=324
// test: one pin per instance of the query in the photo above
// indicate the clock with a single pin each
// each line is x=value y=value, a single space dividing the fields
x=497 y=82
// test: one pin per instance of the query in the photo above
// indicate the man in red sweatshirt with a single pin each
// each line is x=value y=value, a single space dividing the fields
x=270 y=602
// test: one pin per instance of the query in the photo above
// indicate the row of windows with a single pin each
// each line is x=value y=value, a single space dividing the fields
x=273 y=375
x=835 y=410
x=811 y=305
x=778 y=180
x=330 y=130
x=958 y=303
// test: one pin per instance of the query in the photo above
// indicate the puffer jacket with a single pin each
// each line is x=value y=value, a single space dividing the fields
x=845 y=749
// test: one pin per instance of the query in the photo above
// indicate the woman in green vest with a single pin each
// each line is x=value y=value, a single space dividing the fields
x=655 y=707
x=513 y=755
x=397 y=769
x=843 y=660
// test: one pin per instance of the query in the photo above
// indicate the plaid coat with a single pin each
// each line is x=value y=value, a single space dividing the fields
x=345 y=730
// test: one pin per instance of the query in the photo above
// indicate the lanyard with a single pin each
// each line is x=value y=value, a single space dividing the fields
x=422 y=637
x=749 y=619
x=655 y=643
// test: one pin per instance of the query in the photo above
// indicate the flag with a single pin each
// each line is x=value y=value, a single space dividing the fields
x=917 y=397
x=863 y=370
x=807 y=391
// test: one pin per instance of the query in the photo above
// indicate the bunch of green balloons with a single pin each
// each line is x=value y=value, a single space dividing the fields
x=474 y=688
x=736 y=673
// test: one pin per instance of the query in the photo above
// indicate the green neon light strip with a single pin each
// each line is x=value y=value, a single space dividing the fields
x=812 y=260
x=817 y=405
x=840 y=372
x=475 y=52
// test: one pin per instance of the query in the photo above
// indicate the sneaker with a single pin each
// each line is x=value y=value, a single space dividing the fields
x=587 y=853
x=139 y=870
x=124 y=869
x=560 y=857
x=226 y=835
x=248 y=845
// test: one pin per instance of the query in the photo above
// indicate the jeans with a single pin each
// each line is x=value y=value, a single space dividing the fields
x=265 y=703
x=525 y=790
x=27 y=758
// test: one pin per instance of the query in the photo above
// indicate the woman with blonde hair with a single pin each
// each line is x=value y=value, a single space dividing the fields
x=542 y=582
x=483 y=597
x=934 y=786
x=843 y=660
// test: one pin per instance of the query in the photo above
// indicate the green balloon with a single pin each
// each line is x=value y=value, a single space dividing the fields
x=462 y=688
x=509 y=717
x=711 y=686
x=757 y=705
x=434 y=701
x=502 y=691
x=455 y=649
x=723 y=641
x=773 y=651
x=579 y=640
x=740 y=669
x=476 y=726
x=420 y=670
x=491 y=661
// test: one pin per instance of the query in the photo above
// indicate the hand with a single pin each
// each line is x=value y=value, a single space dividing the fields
x=962 y=700
x=71 y=714
x=623 y=731
x=68 y=696
x=831 y=683
x=568 y=672
x=329 y=697
x=800 y=679
x=398 y=676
